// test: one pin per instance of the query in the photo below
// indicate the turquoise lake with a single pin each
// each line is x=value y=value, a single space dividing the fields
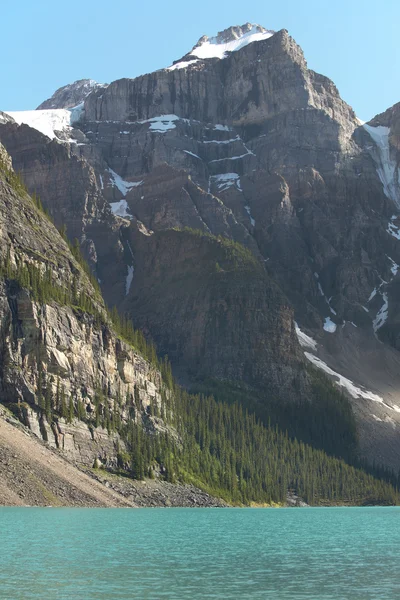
x=318 y=553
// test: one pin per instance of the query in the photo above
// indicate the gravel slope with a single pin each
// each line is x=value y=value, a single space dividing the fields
x=32 y=474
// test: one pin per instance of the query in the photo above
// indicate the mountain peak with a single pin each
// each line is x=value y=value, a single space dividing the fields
x=236 y=32
x=230 y=40
x=70 y=95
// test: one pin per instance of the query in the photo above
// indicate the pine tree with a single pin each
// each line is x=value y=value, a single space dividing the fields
x=71 y=410
x=63 y=404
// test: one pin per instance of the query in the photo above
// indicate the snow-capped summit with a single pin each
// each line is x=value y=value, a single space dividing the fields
x=230 y=40
x=70 y=95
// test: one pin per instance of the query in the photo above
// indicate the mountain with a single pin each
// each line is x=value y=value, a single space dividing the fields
x=70 y=95
x=237 y=210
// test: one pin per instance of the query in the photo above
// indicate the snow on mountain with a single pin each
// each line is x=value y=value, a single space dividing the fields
x=48 y=122
x=5 y=118
x=129 y=279
x=121 y=209
x=121 y=184
x=386 y=167
x=230 y=40
x=226 y=180
x=342 y=381
x=329 y=325
x=393 y=229
x=162 y=123
x=305 y=340
x=382 y=315
x=71 y=94
x=182 y=65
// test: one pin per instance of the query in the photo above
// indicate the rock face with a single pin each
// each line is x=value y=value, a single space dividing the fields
x=68 y=349
x=70 y=189
x=70 y=95
x=239 y=139
x=233 y=323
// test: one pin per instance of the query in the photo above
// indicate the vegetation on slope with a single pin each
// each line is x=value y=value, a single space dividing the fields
x=216 y=445
x=324 y=420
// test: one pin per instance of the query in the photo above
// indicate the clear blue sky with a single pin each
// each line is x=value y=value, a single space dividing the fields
x=47 y=43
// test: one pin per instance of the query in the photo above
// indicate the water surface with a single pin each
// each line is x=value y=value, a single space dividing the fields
x=238 y=554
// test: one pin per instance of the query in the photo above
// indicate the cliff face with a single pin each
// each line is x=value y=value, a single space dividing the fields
x=57 y=347
x=70 y=190
x=257 y=83
x=231 y=323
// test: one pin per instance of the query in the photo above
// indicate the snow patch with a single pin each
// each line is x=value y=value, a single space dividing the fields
x=129 y=279
x=377 y=418
x=224 y=181
x=304 y=340
x=130 y=249
x=191 y=154
x=236 y=139
x=385 y=166
x=5 y=118
x=120 y=209
x=222 y=128
x=162 y=123
x=47 y=122
x=121 y=184
x=353 y=390
x=231 y=157
x=329 y=325
x=382 y=315
x=182 y=65
x=393 y=229
x=322 y=293
x=395 y=267
x=215 y=47
x=252 y=221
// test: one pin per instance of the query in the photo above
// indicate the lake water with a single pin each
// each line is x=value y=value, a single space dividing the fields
x=318 y=553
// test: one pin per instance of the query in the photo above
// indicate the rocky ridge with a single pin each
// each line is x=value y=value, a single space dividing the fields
x=69 y=96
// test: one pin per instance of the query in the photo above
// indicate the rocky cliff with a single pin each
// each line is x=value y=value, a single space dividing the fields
x=60 y=348
x=71 y=95
x=232 y=323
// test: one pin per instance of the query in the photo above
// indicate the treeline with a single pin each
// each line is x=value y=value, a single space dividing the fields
x=324 y=419
x=234 y=253
x=244 y=460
